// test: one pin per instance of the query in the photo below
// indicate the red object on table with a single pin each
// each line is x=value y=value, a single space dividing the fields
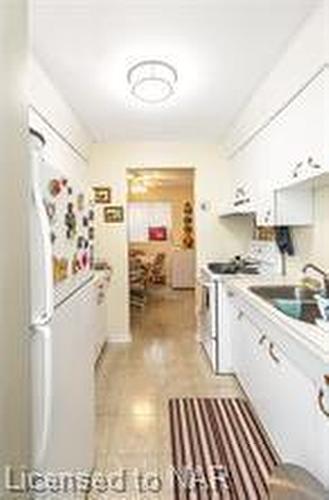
x=158 y=233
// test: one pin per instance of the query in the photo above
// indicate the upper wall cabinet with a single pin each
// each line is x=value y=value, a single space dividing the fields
x=279 y=143
x=242 y=197
x=289 y=151
x=298 y=136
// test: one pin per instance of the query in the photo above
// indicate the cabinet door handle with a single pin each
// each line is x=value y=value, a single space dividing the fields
x=311 y=163
x=240 y=315
x=230 y=294
x=322 y=407
x=296 y=169
x=272 y=353
x=262 y=340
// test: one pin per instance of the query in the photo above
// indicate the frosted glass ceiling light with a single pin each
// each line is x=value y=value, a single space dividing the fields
x=138 y=185
x=152 y=81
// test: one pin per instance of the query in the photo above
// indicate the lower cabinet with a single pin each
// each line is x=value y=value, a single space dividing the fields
x=285 y=399
x=100 y=321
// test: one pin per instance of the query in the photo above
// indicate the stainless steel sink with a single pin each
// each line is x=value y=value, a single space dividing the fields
x=294 y=301
x=284 y=292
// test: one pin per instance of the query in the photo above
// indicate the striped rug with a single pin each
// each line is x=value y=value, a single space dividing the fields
x=219 y=450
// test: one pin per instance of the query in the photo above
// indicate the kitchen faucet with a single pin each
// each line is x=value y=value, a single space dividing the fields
x=324 y=274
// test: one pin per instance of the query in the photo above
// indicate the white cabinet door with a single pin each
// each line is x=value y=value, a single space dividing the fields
x=100 y=308
x=243 y=196
x=265 y=214
x=323 y=424
x=288 y=409
x=247 y=341
x=285 y=399
x=289 y=150
x=297 y=148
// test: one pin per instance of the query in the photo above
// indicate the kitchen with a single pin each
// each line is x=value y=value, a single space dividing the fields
x=242 y=384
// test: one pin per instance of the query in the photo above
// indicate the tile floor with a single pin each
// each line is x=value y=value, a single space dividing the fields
x=134 y=383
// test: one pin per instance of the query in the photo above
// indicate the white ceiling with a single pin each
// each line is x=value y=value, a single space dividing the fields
x=220 y=48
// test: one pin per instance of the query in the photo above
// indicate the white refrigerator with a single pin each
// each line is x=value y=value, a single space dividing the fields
x=61 y=337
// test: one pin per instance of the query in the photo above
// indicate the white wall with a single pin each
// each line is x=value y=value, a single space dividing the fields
x=215 y=239
x=14 y=239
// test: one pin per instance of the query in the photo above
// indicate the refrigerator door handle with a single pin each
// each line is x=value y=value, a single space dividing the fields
x=42 y=333
x=46 y=246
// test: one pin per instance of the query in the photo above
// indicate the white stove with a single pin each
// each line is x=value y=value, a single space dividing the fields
x=263 y=259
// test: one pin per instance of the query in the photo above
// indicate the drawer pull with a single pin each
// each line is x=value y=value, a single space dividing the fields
x=321 y=403
x=272 y=353
x=262 y=340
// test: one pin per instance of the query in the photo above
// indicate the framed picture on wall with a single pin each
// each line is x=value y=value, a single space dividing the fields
x=102 y=195
x=114 y=214
x=158 y=233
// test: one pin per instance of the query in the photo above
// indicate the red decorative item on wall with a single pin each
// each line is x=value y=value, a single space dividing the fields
x=158 y=233
x=55 y=187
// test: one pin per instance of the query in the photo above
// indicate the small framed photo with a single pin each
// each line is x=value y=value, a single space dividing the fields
x=102 y=195
x=113 y=214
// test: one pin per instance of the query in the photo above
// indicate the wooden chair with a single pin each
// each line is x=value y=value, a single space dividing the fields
x=158 y=270
x=138 y=278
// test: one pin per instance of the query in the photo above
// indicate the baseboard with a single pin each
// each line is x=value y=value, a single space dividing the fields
x=101 y=353
x=119 y=337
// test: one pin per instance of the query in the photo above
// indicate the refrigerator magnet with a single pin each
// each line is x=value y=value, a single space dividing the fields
x=54 y=187
x=70 y=222
x=84 y=260
x=51 y=210
x=80 y=202
x=75 y=264
x=80 y=242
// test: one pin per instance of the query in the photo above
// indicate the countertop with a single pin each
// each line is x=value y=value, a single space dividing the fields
x=102 y=274
x=310 y=336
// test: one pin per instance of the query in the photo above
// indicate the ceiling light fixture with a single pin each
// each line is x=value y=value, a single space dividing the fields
x=138 y=185
x=152 y=81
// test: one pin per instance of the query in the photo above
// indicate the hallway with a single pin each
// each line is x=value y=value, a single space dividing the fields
x=134 y=383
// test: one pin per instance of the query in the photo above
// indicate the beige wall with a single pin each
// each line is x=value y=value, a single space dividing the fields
x=216 y=239
x=312 y=243
x=14 y=240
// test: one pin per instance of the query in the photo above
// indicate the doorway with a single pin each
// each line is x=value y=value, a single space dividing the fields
x=161 y=233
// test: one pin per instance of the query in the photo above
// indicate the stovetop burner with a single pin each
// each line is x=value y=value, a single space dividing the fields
x=232 y=268
x=222 y=268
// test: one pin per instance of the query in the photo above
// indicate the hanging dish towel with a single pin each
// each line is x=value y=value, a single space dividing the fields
x=284 y=240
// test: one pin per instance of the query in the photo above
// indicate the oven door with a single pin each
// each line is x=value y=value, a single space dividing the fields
x=207 y=321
